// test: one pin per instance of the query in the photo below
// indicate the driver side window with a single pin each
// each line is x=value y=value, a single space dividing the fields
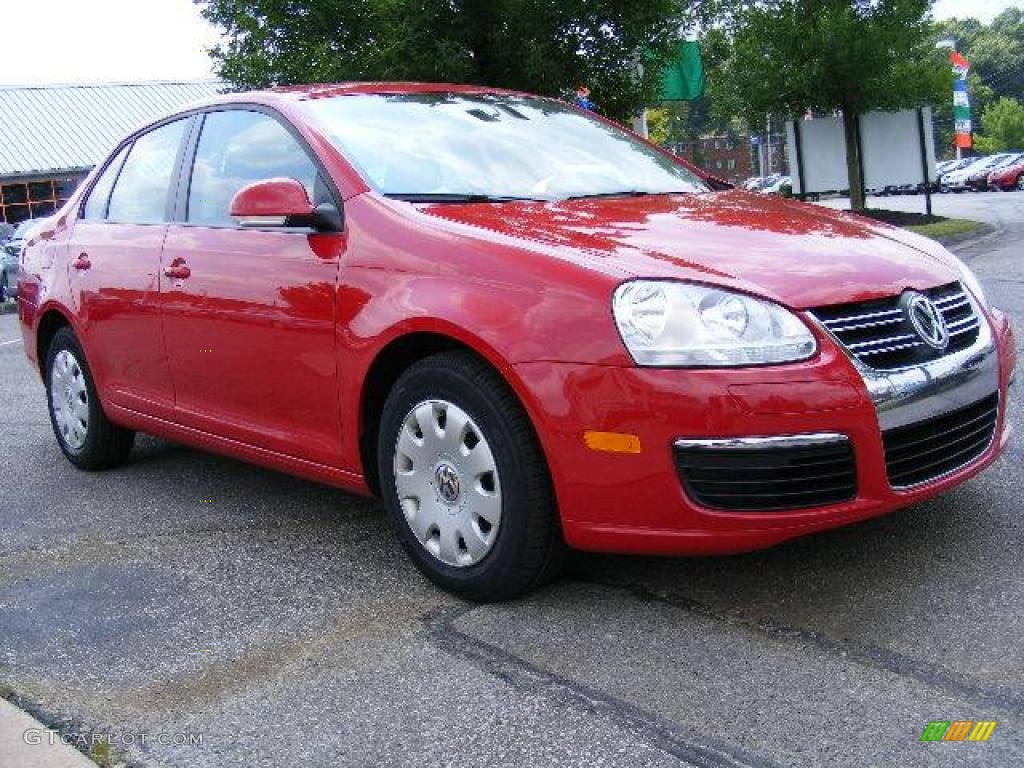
x=237 y=147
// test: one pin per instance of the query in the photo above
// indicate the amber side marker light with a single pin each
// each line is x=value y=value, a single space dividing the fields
x=612 y=442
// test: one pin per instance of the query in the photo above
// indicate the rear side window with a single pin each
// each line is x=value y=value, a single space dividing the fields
x=96 y=205
x=140 y=194
x=237 y=147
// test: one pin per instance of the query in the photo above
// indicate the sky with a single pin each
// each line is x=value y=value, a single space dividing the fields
x=89 y=41
x=76 y=41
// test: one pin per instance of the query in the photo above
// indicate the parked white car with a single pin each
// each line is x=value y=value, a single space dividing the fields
x=775 y=187
x=956 y=181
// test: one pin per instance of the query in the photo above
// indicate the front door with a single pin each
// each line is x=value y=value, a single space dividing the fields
x=249 y=315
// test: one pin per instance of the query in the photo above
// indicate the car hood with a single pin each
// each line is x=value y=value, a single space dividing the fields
x=798 y=254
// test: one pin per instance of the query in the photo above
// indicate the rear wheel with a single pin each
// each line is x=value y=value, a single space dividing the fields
x=1020 y=182
x=84 y=434
x=465 y=482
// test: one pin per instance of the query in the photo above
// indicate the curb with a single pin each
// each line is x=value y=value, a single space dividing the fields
x=27 y=743
x=969 y=239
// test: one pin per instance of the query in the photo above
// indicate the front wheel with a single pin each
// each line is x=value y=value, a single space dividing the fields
x=465 y=482
x=85 y=435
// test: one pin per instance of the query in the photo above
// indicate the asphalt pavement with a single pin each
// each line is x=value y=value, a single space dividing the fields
x=197 y=611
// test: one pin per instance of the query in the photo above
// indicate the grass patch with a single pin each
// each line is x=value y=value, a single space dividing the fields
x=947 y=228
x=935 y=227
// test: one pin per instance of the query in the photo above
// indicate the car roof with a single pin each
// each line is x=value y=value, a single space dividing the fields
x=306 y=92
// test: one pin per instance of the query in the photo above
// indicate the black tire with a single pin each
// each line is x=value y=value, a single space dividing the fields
x=106 y=445
x=528 y=549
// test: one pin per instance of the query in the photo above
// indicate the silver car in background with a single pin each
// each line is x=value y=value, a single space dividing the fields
x=10 y=255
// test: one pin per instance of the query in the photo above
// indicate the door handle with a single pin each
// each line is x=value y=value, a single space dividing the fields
x=82 y=262
x=177 y=270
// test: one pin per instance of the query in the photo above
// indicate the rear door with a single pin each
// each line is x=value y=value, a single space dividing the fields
x=250 y=330
x=114 y=270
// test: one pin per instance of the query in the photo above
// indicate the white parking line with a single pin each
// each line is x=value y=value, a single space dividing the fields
x=12 y=341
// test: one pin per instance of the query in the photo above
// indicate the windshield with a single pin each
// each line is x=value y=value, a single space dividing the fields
x=437 y=146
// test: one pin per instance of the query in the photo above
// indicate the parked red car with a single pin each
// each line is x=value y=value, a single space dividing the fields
x=519 y=324
x=1009 y=177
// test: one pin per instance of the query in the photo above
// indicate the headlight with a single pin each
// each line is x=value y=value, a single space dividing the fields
x=968 y=279
x=673 y=324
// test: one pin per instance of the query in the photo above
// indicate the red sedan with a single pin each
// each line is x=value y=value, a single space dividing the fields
x=1009 y=177
x=520 y=325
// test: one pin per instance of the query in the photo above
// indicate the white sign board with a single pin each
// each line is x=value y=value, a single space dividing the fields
x=890 y=148
x=890 y=151
x=822 y=155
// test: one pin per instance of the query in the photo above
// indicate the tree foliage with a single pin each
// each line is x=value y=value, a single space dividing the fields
x=534 y=45
x=791 y=56
x=996 y=55
x=1002 y=125
x=788 y=57
x=995 y=51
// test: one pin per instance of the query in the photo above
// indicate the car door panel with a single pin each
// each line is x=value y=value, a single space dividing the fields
x=249 y=315
x=114 y=270
x=119 y=312
x=250 y=337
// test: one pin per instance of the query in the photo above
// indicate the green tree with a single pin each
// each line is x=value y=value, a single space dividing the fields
x=790 y=56
x=995 y=51
x=1002 y=125
x=534 y=45
x=996 y=55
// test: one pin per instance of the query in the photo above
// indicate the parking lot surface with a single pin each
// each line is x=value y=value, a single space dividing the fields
x=189 y=595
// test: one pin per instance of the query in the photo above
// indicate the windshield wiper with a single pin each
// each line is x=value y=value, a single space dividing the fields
x=624 y=193
x=450 y=197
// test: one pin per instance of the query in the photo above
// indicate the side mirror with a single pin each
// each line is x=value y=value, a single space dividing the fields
x=272 y=203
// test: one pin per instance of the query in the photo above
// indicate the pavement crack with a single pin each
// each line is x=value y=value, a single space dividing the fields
x=689 y=747
x=894 y=662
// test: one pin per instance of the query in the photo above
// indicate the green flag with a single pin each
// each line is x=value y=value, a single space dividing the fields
x=683 y=79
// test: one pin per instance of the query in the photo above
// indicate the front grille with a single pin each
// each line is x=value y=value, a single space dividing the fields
x=879 y=334
x=768 y=476
x=928 y=449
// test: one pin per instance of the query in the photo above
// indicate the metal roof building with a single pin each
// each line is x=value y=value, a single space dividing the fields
x=50 y=136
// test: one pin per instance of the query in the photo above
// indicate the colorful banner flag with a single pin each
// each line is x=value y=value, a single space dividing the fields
x=961 y=101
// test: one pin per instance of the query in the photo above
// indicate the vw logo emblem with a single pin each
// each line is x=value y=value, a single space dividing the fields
x=927 y=320
x=446 y=480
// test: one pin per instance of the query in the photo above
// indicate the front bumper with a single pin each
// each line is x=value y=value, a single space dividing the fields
x=635 y=502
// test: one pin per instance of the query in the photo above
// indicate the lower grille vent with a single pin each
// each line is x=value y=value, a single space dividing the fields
x=928 y=449
x=767 y=475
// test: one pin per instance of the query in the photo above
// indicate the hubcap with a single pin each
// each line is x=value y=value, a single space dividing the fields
x=447 y=483
x=69 y=399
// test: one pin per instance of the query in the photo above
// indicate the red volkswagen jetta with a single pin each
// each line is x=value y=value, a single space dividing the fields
x=520 y=325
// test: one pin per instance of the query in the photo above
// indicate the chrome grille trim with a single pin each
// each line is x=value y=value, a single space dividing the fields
x=893 y=348
x=879 y=334
x=924 y=390
x=876 y=342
